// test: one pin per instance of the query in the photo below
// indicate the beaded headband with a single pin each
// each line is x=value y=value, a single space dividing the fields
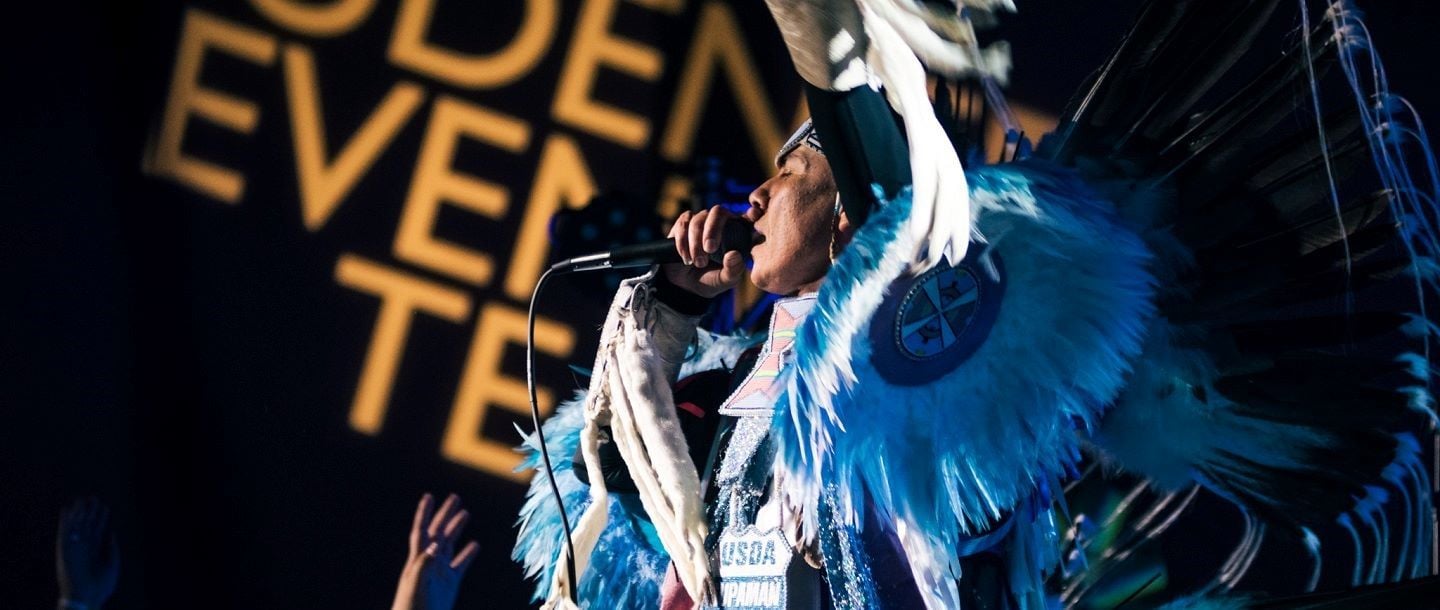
x=804 y=135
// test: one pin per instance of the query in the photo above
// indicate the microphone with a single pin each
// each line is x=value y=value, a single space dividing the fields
x=736 y=235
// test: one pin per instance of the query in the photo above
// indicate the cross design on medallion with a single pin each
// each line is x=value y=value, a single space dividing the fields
x=936 y=311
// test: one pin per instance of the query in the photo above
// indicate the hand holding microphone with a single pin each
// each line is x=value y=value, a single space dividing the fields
x=703 y=254
x=710 y=262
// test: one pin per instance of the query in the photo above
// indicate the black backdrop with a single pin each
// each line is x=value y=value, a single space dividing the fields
x=194 y=362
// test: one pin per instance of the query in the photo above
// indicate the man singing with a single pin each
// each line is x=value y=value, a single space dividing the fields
x=751 y=548
x=951 y=341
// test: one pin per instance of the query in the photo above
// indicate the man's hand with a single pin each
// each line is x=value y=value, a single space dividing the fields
x=87 y=559
x=431 y=578
x=697 y=235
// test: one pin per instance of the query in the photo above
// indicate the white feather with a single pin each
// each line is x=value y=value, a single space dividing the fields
x=940 y=220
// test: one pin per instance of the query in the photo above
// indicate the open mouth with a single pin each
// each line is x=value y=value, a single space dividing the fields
x=754 y=238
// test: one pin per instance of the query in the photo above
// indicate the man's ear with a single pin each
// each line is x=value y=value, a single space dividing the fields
x=843 y=224
x=844 y=229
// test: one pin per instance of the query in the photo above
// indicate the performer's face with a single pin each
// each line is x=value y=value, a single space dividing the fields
x=795 y=211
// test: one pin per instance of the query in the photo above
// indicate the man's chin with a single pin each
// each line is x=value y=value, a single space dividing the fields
x=761 y=278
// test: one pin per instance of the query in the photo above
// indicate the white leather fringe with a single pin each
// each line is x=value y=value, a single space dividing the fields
x=642 y=346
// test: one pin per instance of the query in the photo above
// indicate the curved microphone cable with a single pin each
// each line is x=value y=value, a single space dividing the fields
x=540 y=431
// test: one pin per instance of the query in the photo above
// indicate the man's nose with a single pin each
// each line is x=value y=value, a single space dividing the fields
x=759 y=198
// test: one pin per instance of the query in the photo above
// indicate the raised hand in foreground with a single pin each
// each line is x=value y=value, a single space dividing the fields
x=431 y=578
x=87 y=558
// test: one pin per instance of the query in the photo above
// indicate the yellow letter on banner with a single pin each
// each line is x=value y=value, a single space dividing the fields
x=718 y=40
x=484 y=384
x=409 y=49
x=401 y=295
x=316 y=19
x=563 y=178
x=201 y=33
x=595 y=45
x=323 y=185
x=435 y=181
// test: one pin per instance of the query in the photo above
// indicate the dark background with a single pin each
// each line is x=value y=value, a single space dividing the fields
x=192 y=363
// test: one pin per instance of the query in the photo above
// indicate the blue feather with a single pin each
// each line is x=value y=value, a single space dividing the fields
x=951 y=457
x=625 y=571
x=626 y=567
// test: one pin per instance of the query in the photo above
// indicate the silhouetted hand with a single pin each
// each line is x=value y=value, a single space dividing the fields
x=431 y=578
x=87 y=559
